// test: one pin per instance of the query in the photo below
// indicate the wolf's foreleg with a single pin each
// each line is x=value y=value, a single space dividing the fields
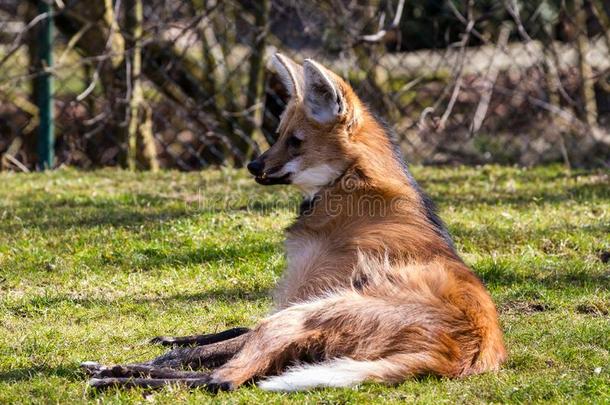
x=164 y=366
x=136 y=370
x=154 y=383
x=162 y=371
x=199 y=340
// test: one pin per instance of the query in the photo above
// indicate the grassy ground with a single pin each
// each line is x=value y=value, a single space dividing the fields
x=93 y=264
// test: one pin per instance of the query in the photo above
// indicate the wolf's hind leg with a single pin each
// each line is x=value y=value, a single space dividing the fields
x=162 y=371
x=283 y=338
x=208 y=356
x=357 y=338
x=136 y=370
x=166 y=365
x=155 y=383
x=199 y=340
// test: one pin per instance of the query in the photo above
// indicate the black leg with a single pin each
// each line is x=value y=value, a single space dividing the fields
x=166 y=365
x=203 y=381
x=163 y=371
x=136 y=370
x=208 y=356
x=199 y=340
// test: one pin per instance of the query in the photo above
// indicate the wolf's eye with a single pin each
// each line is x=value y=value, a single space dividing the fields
x=294 y=142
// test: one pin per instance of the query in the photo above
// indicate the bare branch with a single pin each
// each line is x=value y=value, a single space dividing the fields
x=383 y=33
x=18 y=42
x=490 y=80
x=17 y=163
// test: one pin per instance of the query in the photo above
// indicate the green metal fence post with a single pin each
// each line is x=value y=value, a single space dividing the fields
x=46 y=136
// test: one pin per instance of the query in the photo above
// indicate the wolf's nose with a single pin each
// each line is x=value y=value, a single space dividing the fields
x=256 y=167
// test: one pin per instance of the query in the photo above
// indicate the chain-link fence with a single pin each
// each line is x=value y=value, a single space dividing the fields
x=184 y=84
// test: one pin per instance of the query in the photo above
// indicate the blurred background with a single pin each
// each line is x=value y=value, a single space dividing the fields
x=150 y=84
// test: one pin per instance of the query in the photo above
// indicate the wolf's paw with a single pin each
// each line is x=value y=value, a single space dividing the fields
x=163 y=341
x=91 y=367
x=99 y=371
x=216 y=386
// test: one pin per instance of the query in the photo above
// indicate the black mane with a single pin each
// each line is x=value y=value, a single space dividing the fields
x=429 y=206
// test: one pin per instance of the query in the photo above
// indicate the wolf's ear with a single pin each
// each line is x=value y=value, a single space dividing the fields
x=291 y=74
x=323 y=98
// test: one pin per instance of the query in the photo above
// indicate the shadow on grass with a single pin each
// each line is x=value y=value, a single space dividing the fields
x=483 y=174
x=231 y=295
x=128 y=210
x=66 y=214
x=578 y=193
x=68 y=372
x=504 y=275
x=507 y=236
x=134 y=209
x=208 y=253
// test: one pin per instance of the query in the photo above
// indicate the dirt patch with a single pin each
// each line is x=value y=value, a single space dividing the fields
x=524 y=307
x=593 y=308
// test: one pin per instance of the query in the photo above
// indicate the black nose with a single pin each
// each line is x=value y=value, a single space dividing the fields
x=256 y=167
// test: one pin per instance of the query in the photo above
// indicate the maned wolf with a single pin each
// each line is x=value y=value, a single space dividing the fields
x=373 y=291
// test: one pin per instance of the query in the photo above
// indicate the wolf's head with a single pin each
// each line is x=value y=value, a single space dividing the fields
x=313 y=146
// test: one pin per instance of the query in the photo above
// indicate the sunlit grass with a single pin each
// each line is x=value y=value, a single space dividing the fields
x=92 y=264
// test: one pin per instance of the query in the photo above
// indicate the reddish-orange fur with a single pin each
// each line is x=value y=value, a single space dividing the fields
x=381 y=285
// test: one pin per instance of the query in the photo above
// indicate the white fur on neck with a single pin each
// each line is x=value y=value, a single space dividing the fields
x=310 y=180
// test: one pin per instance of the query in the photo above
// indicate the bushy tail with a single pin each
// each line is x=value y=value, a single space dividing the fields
x=346 y=372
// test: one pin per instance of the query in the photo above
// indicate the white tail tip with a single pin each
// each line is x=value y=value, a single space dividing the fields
x=334 y=373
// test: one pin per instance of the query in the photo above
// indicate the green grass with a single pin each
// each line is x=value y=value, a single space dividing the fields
x=92 y=264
